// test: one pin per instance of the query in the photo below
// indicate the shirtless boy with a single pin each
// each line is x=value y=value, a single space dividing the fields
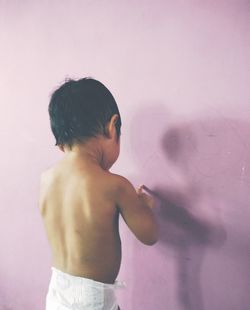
x=80 y=199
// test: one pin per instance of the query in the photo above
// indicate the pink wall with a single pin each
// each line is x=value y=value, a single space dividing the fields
x=180 y=73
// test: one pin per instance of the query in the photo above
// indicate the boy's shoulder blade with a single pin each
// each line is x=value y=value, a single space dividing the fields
x=45 y=179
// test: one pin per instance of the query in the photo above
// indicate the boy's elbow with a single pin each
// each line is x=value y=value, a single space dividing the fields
x=152 y=239
x=151 y=242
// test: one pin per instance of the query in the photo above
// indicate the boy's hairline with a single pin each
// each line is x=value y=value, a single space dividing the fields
x=87 y=139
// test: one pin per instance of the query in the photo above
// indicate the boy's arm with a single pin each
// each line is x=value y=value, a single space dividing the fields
x=136 y=213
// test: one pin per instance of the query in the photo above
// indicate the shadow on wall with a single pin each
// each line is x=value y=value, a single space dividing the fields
x=189 y=236
x=196 y=170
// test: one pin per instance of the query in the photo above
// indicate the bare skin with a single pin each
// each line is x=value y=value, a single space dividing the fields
x=80 y=203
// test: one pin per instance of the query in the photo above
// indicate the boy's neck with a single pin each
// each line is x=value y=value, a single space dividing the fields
x=89 y=153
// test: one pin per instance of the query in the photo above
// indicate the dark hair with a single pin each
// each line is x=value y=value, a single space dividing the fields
x=80 y=109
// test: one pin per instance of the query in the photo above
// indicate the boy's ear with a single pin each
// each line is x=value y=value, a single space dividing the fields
x=110 y=127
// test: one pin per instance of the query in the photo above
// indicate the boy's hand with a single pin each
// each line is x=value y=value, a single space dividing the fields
x=147 y=200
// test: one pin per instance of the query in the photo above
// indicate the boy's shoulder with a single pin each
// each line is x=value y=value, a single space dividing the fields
x=120 y=181
x=118 y=177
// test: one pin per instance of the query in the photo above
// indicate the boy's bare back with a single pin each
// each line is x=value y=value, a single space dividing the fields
x=80 y=206
x=80 y=215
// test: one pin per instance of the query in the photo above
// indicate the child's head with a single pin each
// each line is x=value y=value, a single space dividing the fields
x=80 y=110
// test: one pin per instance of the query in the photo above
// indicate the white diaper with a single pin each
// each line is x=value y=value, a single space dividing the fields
x=67 y=292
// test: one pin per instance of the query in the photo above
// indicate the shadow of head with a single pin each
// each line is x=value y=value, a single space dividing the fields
x=209 y=148
x=179 y=143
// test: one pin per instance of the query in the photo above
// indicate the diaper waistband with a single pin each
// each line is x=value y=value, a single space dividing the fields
x=68 y=280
